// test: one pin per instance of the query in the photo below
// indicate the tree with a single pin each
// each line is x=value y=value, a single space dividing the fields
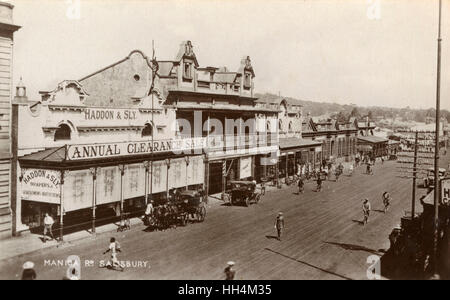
x=370 y=115
x=354 y=113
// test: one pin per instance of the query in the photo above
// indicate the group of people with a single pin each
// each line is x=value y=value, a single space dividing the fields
x=323 y=173
x=366 y=207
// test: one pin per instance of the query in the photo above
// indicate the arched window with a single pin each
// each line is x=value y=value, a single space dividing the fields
x=290 y=126
x=268 y=127
x=148 y=130
x=63 y=132
x=279 y=125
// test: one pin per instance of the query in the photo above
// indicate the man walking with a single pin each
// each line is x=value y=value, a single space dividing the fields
x=300 y=185
x=229 y=271
x=279 y=225
x=114 y=247
x=48 y=224
x=319 y=183
x=386 y=201
x=366 y=211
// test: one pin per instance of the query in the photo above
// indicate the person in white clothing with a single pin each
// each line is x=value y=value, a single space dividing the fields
x=48 y=224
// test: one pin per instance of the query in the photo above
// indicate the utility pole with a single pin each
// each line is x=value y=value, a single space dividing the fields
x=436 y=150
x=155 y=68
x=413 y=204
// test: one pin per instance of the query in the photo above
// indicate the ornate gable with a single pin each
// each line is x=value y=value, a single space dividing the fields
x=67 y=93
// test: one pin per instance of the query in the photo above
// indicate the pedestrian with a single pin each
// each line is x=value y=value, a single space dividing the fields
x=386 y=201
x=149 y=213
x=229 y=271
x=48 y=224
x=366 y=211
x=114 y=247
x=319 y=183
x=350 y=169
x=279 y=225
x=263 y=188
x=301 y=185
x=28 y=271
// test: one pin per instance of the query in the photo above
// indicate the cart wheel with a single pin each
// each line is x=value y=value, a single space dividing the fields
x=201 y=214
x=247 y=201
x=258 y=197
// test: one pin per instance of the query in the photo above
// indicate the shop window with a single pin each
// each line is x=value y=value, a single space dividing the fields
x=63 y=132
x=148 y=130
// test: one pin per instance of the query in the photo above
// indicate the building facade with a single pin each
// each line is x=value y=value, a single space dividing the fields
x=338 y=139
x=93 y=149
x=7 y=29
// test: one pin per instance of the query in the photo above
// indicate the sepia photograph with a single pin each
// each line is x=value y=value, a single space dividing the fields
x=203 y=141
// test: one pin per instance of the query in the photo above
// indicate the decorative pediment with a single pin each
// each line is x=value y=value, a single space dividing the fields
x=152 y=102
x=246 y=66
x=67 y=93
x=187 y=52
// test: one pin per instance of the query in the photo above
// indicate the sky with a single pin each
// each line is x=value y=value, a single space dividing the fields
x=363 y=52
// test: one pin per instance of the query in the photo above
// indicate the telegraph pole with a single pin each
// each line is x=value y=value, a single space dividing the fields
x=436 y=149
x=413 y=204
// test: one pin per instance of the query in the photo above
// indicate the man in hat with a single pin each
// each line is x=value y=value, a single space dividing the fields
x=366 y=211
x=229 y=271
x=28 y=271
x=279 y=225
x=386 y=201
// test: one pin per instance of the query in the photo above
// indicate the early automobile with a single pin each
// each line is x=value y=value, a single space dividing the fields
x=428 y=181
x=243 y=192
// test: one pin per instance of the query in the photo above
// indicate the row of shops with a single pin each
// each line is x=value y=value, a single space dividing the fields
x=87 y=161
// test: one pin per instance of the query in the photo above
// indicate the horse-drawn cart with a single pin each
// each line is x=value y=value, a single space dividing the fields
x=177 y=211
x=191 y=204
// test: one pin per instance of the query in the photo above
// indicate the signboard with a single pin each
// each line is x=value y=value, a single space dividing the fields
x=78 y=190
x=177 y=173
x=41 y=185
x=195 y=170
x=134 y=181
x=445 y=191
x=110 y=114
x=178 y=146
x=159 y=176
x=245 y=167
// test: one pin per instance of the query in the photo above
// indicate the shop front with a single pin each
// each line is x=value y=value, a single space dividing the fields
x=297 y=154
x=97 y=189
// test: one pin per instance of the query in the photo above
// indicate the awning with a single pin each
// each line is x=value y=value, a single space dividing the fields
x=289 y=143
x=372 y=139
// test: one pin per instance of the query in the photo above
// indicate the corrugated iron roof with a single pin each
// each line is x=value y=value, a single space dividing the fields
x=372 y=139
x=294 y=142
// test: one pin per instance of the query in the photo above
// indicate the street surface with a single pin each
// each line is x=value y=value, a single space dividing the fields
x=324 y=238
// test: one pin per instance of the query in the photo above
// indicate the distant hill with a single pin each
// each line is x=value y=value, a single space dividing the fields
x=375 y=112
